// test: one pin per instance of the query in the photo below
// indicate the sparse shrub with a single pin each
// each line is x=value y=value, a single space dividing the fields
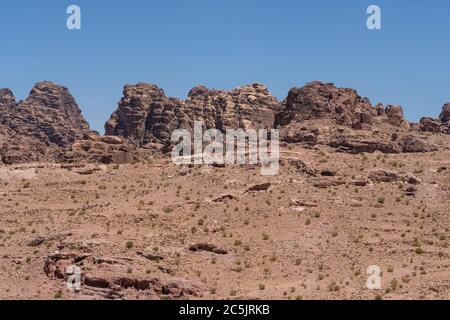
x=129 y=245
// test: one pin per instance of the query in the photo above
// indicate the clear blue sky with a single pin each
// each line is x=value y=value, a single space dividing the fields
x=224 y=44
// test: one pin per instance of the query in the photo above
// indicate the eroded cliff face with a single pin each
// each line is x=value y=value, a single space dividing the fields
x=49 y=126
x=318 y=113
x=319 y=100
x=445 y=115
x=41 y=127
x=145 y=115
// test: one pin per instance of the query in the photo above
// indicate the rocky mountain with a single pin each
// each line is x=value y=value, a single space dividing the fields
x=49 y=126
x=146 y=116
x=343 y=106
x=318 y=100
x=41 y=127
x=318 y=113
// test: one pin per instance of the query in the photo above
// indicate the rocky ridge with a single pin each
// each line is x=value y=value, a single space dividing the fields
x=49 y=126
x=146 y=116
x=41 y=127
x=441 y=125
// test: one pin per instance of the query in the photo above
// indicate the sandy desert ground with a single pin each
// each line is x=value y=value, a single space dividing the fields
x=153 y=230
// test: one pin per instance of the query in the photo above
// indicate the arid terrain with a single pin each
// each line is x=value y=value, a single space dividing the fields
x=358 y=186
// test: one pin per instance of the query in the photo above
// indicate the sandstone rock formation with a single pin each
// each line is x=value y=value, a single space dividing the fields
x=430 y=125
x=49 y=126
x=445 y=115
x=108 y=278
x=41 y=127
x=321 y=113
x=94 y=148
x=7 y=100
x=441 y=125
x=395 y=116
x=247 y=107
x=146 y=116
x=319 y=100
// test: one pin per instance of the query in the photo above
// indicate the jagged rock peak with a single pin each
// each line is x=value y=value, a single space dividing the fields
x=445 y=114
x=146 y=115
x=441 y=125
x=141 y=88
x=325 y=100
x=7 y=97
x=42 y=126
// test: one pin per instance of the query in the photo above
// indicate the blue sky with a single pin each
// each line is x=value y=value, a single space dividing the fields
x=178 y=44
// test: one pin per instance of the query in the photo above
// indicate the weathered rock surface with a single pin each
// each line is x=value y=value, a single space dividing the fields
x=441 y=125
x=430 y=125
x=319 y=100
x=41 y=127
x=247 y=107
x=146 y=115
x=207 y=247
x=321 y=113
x=108 y=278
x=412 y=144
x=49 y=126
x=445 y=115
x=395 y=116
x=105 y=149
x=381 y=175
x=363 y=143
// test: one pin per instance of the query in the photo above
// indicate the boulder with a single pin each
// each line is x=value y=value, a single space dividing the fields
x=395 y=116
x=412 y=144
x=430 y=125
x=363 y=144
x=207 y=247
x=259 y=187
x=381 y=175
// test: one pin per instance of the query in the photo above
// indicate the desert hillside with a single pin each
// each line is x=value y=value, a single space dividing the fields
x=358 y=186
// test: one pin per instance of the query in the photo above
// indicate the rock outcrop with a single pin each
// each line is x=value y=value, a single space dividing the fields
x=445 y=115
x=321 y=113
x=318 y=100
x=430 y=125
x=49 y=126
x=395 y=116
x=7 y=101
x=146 y=116
x=94 y=148
x=247 y=107
x=41 y=127
x=109 y=278
x=441 y=125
